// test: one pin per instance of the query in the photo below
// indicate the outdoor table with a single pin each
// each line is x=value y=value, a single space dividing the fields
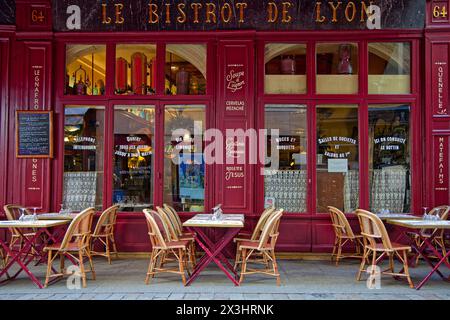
x=397 y=216
x=216 y=252
x=22 y=257
x=417 y=226
x=56 y=216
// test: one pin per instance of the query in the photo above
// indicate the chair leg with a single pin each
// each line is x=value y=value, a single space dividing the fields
x=114 y=246
x=406 y=269
x=82 y=271
x=108 y=253
x=91 y=263
x=238 y=256
x=391 y=262
x=275 y=267
x=49 y=268
x=243 y=265
x=333 y=254
x=363 y=264
x=151 y=267
x=181 y=265
x=61 y=263
x=339 y=252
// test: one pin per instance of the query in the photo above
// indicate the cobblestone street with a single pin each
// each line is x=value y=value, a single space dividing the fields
x=301 y=280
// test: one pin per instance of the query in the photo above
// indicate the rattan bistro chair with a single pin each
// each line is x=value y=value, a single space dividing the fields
x=104 y=233
x=265 y=246
x=344 y=234
x=378 y=244
x=74 y=244
x=254 y=236
x=157 y=231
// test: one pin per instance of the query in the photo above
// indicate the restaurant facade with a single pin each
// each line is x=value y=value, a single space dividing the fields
x=116 y=102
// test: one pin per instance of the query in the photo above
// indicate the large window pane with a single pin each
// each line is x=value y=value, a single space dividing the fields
x=83 y=157
x=184 y=164
x=389 y=158
x=185 y=69
x=337 y=68
x=285 y=68
x=133 y=157
x=389 y=68
x=337 y=158
x=286 y=187
x=135 y=69
x=85 y=70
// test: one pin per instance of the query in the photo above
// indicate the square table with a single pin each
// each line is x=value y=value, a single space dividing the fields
x=416 y=226
x=215 y=251
x=56 y=216
x=397 y=216
x=22 y=257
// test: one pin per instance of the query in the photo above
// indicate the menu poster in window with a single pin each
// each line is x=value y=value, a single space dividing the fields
x=192 y=176
x=34 y=134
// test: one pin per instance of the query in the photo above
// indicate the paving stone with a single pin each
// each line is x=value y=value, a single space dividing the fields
x=191 y=296
x=176 y=296
x=206 y=297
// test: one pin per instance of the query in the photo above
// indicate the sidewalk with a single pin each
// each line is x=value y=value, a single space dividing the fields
x=301 y=280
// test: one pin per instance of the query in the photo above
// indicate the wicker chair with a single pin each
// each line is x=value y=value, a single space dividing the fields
x=75 y=244
x=254 y=236
x=161 y=247
x=13 y=212
x=264 y=246
x=344 y=234
x=104 y=233
x=376 y=241
x=176 y=233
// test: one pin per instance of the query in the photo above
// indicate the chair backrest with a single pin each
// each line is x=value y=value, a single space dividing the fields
x=442 y=212
x=261 y=222
x=107 y=221
x=373 y=230
x=13 y=212
x=154 y=231
x=269 y=234
x=170 y=223
x=340 y=223
x=175 y=215
x=79 y=230
x=162 y=223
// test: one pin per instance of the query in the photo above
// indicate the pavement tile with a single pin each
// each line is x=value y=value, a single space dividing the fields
x=176 y=296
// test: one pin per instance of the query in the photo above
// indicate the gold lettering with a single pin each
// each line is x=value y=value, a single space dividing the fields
x=334 y=8
x=182 y=17
x=285 y=12
x=211 y=12
x=350 y=6
x=168 y=21
x=241 y=6
x=196 y=6
x=364 y=10
x=319 y=17
x=227 y=18
x=272 y=12
x=105 y=18
x=119 y=18
x=153 y=13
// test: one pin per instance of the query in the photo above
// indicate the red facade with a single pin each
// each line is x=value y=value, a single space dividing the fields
x=32 y=77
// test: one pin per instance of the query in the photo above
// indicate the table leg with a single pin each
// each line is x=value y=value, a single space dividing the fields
x=212 y=254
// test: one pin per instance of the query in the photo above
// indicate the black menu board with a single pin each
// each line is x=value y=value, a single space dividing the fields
x=34 y=134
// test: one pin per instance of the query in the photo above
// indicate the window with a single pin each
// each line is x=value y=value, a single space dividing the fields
x=389 y=158
x=337 y=157
x=133 y=157
x=83 y=157
x=135 y=69
x=389 y=68
x=85 y=70
x=285 y=68
x=285 y=184
x=185 y=69
x=184 y=164
x=337 y=68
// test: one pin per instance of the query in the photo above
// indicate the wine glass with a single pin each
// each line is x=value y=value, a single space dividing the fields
x=425 y=212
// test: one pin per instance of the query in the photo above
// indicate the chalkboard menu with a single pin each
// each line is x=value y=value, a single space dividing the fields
x=34 y=134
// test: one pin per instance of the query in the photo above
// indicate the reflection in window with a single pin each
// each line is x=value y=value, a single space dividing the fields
x=185 y=69
x=337 y=68
x=389 y=68
x=286 y=187
x=133 y=157
x=389 y=158
x=135 y=69
x=337 y=158
x=184 y=164
x=83 y=157
x=285 y=68
x=85 y=70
